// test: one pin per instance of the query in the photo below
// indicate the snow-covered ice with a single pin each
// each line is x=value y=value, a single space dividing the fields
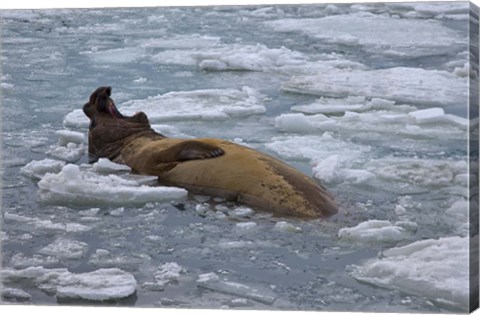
x=72 y=185
x=434 y=268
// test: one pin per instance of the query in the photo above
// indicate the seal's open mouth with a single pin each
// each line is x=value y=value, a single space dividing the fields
x=113 y=111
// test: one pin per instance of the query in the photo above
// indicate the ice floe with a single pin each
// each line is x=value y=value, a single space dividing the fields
x=168 y=273
x=215 y=104
x=65 y=248
x=105 y=259
x=234 y=57
x=47 y=225
x=19 y=261
x=72 y=185
x=70 y=153
x=361 y=29
x=213 y=282
x=378 y=231
x=401 y=84
x=67 y=136
x=433 y=268
x=416 y=171
x=381 y=118
x=76 y=119
x=37 y=169
x=98 y=285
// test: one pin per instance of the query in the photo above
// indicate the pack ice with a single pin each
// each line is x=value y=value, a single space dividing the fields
x=436 y=269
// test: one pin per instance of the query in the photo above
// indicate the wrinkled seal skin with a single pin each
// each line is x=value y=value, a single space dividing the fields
x=204 y=166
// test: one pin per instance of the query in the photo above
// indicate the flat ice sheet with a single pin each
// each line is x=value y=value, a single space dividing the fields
x=72 y=185
x=401 y=84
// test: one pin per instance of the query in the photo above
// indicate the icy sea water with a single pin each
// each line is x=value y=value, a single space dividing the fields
x=369 y=99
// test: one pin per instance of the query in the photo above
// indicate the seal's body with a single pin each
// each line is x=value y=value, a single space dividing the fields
x=205 y=166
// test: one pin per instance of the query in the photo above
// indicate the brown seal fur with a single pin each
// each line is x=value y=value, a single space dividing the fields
x=205 y=166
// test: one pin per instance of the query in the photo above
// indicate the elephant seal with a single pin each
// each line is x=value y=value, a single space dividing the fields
x=207 y=166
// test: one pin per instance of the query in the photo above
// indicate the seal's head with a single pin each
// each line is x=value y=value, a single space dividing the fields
x=109 y=129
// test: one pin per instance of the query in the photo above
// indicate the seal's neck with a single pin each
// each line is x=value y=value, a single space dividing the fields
x=110 y=144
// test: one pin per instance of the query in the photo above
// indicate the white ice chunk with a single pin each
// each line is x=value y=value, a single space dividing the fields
x=241 y=212
x=70 y=153
x=284 y=226
x=104 y=165
x=84 y=187
x=98 y=285
x=361 y=29
x=437 y=269
x=168 y=273
x=401 y=84
x=76 y=119
x=65 y=248
x=293 y=123
x=67 y=136
x=37 y=169
x=428 y=115
x=374 y=231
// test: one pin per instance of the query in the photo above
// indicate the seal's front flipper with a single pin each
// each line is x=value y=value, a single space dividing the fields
x=192 y=150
